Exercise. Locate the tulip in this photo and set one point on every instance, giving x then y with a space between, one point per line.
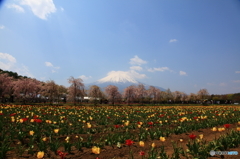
201 136
142 153
214 129
181 140
192 136
31 133
141 143
129 142
89 125
162 139
238 128
56 130
226 125
40 154
153 145
44 139
96 150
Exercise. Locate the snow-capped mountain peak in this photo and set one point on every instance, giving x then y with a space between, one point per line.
118 76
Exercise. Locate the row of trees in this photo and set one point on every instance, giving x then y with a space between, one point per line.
28 90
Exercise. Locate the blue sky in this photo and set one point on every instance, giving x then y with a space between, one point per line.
183 45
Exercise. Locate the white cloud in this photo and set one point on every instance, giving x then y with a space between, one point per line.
182 73
40 8
173 40
210 84
83 77
2 26
49 64
159 69
138 68
137 61
236 81
8 57
237 71
16 7
62 9
8 62
222 84
135 74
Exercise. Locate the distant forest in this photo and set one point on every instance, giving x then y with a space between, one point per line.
17 88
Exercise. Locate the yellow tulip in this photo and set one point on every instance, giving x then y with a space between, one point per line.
214 129
44 139
153 145
162 139
238 128
96 150
89 125
40 154
201 136
181 140
141 143
21 121
56 130
220 129
31 133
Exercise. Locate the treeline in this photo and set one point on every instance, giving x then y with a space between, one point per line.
21 89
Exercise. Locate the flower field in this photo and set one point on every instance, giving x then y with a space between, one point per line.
127 132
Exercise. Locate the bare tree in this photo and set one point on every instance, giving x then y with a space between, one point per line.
129 94
61 92
112 93
76 90
95 93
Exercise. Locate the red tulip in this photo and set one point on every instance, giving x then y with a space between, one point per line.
37 120
24 119
150 123
117 126
129 142
226 125
13 114
142 153
192 136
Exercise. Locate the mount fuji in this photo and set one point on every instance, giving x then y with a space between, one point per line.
120 79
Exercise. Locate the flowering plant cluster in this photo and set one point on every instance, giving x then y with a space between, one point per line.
48 128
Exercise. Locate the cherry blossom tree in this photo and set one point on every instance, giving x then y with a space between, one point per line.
49 91
95 93
24 89
76 89
129 94
141 92
112 93
152 93
202 94
5 82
